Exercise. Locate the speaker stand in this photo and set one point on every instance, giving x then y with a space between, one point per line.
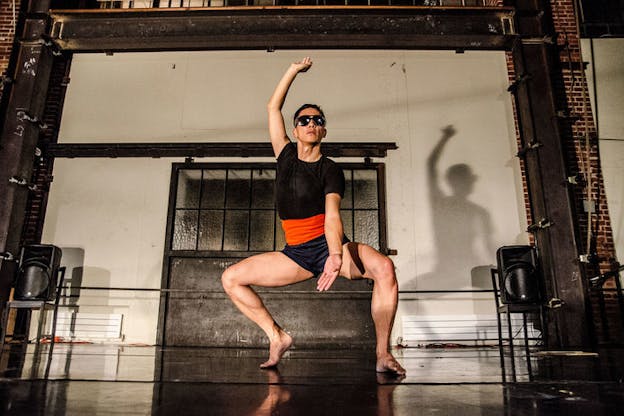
42 306
510 309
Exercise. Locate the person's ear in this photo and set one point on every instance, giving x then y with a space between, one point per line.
295 135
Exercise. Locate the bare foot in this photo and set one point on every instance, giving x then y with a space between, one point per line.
279 345
388 364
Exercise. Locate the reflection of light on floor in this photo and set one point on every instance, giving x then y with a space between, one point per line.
566 353
101 379
128 363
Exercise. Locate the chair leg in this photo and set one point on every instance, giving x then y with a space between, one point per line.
500 346
40 325
526 346
511 347
51 348
57 300
53 329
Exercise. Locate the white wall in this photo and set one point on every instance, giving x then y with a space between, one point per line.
605 73
114 209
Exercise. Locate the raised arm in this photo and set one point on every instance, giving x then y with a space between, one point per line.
277 129
432 163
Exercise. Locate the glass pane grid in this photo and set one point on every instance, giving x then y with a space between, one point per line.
233 209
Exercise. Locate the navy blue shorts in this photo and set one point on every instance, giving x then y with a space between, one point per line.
312 254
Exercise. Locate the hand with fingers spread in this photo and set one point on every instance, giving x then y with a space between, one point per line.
330 272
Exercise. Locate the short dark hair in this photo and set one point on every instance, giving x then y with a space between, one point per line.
303 107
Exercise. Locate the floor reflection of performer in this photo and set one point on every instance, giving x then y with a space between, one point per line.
309 188
276 396
385 393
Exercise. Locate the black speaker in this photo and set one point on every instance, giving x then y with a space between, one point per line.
37 273
518 274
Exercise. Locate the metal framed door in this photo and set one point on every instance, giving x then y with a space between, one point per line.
222 213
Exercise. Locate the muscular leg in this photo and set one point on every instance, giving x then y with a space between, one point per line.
360 260
270 270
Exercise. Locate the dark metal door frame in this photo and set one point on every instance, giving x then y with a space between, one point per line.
170 253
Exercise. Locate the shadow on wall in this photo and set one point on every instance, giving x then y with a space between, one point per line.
78 327
73 260
462 229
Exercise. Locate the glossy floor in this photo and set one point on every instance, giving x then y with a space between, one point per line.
127 380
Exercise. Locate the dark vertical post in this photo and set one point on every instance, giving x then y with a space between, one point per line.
555 227
20 131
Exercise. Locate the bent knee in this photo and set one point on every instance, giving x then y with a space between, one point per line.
385 272
229 279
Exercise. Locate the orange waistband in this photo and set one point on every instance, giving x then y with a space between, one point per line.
299 231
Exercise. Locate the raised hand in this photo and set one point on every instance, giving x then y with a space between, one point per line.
303 65
448 131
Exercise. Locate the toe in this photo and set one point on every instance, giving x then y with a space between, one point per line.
392 366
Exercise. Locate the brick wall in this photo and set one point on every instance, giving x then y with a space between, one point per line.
579 135
525 190
581 148
7 35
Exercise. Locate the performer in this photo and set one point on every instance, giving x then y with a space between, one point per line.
309 188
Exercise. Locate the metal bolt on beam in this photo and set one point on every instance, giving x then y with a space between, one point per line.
540 225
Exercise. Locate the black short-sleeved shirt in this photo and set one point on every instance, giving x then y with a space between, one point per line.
301 186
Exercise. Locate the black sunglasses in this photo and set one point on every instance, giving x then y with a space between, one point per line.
305 120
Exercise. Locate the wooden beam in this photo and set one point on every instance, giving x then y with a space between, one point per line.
248 149
270 28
